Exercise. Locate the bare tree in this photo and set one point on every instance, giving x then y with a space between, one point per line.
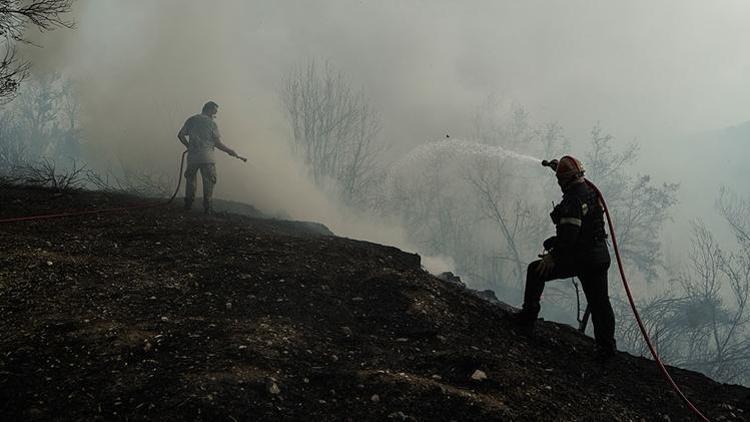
42 121
639 208
723 320
736 212
714 328
334 128
482 211
46 173
12 72
512 214
13 148
664 318
512 205
702 321
431 204
15 17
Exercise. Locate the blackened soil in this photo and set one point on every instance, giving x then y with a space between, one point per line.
158 314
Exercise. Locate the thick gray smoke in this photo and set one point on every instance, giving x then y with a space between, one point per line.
141 67
641 69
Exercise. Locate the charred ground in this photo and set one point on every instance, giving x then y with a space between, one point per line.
158 314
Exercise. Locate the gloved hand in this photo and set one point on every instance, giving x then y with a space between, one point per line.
546 265
549 243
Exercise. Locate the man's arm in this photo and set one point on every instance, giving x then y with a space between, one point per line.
182 135
218 144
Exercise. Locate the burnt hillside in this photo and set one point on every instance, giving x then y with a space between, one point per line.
158 314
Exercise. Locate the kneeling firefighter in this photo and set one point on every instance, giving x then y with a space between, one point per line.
579 249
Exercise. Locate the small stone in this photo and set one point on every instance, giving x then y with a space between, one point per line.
398 415
375 398
49 263
273 388
437 377
478 375
346 331
229 305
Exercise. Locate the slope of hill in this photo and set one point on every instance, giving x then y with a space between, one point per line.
161 315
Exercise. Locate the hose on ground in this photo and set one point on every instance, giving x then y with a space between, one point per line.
642 327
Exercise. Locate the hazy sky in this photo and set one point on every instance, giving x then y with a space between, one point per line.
639 67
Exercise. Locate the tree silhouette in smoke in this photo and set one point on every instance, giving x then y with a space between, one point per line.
15 17
335 128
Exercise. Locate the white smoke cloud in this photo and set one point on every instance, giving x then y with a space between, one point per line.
641 68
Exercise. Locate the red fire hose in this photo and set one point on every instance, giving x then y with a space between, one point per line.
635 311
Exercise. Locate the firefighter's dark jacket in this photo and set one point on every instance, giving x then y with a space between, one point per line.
579 222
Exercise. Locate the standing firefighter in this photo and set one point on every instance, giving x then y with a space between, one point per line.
579 249
200 135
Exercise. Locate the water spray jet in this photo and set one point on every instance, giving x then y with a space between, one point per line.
457 147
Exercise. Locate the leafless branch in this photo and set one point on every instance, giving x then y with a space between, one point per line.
45 173
44 14
334 128
15 17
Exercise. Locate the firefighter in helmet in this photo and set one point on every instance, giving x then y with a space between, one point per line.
578 249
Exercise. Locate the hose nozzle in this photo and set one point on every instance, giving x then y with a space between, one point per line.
551 164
